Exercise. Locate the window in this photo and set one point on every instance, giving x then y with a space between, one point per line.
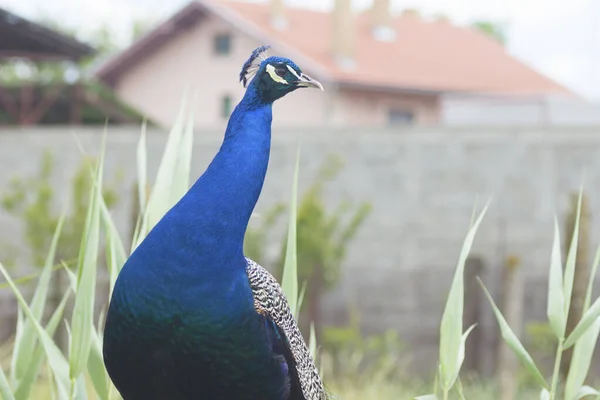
400 117
222 44
226 106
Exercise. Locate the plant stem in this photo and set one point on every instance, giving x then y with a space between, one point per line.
555 374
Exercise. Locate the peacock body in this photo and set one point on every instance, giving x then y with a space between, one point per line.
191 318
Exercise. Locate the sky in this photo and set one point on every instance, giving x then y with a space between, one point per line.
559 38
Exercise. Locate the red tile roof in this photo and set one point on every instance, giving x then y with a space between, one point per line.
431 56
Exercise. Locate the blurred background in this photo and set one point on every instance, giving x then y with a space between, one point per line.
430 108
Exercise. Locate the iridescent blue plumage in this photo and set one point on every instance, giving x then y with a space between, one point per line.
190 317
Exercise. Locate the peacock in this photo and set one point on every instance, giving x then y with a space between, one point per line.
190 317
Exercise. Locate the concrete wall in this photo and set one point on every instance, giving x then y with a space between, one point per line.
525 111
422 184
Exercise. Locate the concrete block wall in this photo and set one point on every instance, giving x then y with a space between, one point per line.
422 183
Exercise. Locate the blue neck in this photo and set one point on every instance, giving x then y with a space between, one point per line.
221 201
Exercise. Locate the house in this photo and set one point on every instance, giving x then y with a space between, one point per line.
57 93
377 69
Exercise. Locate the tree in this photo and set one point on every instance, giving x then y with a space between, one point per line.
256 237
322 239
102 39
32 200
491 29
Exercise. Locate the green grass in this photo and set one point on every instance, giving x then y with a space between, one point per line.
35 368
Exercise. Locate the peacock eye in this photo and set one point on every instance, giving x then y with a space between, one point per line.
281 71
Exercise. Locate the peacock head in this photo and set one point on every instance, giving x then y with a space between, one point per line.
274 77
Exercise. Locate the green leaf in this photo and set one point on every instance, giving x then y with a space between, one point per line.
5 392
556 300
463 345
590 288
586 391
581 361
589 318
25 342
82 322
513 342
585 345
451 334
289 280
56 360
571 259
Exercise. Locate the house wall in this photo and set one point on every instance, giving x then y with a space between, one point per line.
370 108
422 185
156 85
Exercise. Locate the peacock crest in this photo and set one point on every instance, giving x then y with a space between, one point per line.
252 65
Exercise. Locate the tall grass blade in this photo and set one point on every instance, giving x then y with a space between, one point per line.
300 300
82 322
181 175
26 384
513 342
15 356
52 385
115 251
142 183
584 347
80 390
56 360
289 280
161 198
312 341
451 333
142 167
25 343
72 279
5 391
96 370
571 258
459 386
556 300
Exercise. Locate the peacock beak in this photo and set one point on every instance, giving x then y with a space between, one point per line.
307 81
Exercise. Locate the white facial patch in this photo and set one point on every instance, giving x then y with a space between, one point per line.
274 76
293 71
